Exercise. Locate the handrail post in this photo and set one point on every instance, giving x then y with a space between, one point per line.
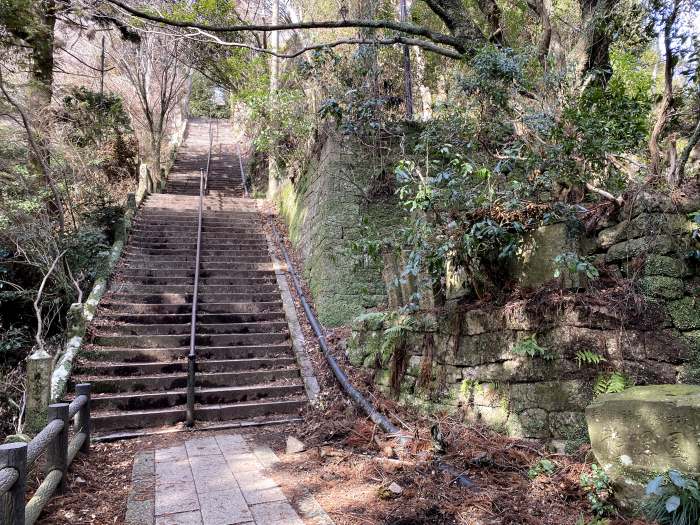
57 449
190 388
82 422
14 455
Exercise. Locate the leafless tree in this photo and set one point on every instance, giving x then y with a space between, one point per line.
156 82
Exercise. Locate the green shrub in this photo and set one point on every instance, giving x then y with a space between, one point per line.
672 499
598 491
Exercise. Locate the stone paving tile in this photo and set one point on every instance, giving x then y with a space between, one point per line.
140 505
311 511
144 466
276 513
211 474
243 462
171 454
254 497
219 481
176 497
265 455
183 518
232 444
173 472
202 447
226 507
254 480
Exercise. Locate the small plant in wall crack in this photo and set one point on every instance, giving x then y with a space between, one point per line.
587 357
673 499
528 347
572 265
611 383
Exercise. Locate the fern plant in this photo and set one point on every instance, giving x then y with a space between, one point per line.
612 383
673 499
587 357
528 347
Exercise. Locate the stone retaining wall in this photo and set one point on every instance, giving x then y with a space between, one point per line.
648 329
324 210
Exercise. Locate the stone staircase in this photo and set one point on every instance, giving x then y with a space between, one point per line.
137 359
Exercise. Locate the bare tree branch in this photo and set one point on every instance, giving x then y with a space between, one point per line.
36 150
345 41
402 27
37 306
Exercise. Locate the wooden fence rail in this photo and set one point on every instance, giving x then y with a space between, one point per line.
16 459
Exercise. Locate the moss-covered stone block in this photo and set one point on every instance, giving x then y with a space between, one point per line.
646 430
492 416
664 265
553 396
661 287
534 423
685 313
383 377
659 244
567 423
534 264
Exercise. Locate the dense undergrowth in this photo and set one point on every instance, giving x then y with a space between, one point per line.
93 159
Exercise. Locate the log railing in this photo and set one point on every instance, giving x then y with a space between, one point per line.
17 459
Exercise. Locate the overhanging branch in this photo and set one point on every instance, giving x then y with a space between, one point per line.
402 27
345 41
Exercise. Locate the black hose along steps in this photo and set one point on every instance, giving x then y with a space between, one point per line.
137 359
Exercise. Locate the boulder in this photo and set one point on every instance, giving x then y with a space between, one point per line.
643 431
294 446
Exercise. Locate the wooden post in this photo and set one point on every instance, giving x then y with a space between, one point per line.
39 369
12 511
57 449
82 422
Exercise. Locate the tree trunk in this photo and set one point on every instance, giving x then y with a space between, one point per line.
667 99
156 149
592 50
272 168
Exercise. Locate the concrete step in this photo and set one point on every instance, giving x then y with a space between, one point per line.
204 396
181 298
210 308
138 260
105 370
145 355
203 380
220 412
150 319
112 329
127 287
130 273
168 341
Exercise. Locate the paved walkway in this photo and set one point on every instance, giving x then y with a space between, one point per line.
217 480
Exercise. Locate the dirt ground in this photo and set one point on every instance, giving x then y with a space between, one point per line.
349 465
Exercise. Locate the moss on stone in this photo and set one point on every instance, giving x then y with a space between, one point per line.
664 265
685 313
660 244
661 287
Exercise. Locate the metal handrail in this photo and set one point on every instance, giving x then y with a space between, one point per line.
211 142
240 163
192 355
